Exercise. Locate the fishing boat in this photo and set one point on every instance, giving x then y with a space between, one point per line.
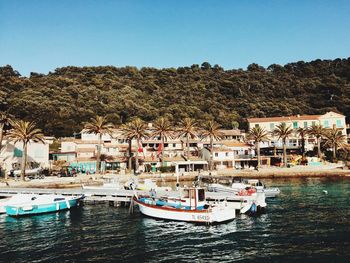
190 206
38 204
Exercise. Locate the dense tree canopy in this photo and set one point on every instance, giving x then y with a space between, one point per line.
62 100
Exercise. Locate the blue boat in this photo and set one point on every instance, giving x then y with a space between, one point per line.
39 204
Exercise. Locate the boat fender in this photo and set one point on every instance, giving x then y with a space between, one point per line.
57 206
68 205
253 208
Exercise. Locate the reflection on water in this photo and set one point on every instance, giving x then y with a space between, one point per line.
303 223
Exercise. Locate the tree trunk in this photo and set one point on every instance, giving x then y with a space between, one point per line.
1 138
188 146
334 153
130 157
319 148
258 153
162 155
137 156
211 154
302 146
284 153
98 157
24 161
1 135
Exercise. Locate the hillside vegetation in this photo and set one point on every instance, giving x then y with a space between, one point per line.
62 100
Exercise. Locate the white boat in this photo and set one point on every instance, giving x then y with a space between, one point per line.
190 207
236 187
147 185
269 191
243 199
3 203
32 204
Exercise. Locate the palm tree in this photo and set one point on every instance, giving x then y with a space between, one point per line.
302 132
318 131
136 129
211 130
24 132
258 135
163 129
99 126
282 131
188 128
335 139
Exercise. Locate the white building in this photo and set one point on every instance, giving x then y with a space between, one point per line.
37 154
328 120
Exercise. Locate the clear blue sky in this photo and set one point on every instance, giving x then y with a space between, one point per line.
42 35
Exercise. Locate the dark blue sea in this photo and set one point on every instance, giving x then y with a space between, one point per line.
302 225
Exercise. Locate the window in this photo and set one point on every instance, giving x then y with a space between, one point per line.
272 126
216 154
256 125
313 123
174 145
305 124
226 154
339 124
326 124
295 125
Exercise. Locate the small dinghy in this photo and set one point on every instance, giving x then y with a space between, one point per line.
189 207
38 204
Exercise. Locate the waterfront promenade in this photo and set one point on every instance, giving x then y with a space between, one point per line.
164 178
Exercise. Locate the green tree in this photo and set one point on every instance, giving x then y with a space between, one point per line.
99 126
24 132
335 139
188 128
258 135
318 132
135 129
211 130
283 132
162 128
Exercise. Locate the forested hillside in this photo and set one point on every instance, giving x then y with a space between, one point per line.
61 100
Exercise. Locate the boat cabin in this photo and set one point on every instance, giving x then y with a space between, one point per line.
193 197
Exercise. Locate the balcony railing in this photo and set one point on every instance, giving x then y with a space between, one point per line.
244 156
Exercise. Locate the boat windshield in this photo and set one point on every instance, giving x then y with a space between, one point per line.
58 199
201 195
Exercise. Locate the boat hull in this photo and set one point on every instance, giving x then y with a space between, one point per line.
34 209
214 215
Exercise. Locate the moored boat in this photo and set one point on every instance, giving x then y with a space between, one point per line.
244 200
190 207
38 204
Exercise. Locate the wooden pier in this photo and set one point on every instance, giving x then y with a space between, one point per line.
91 195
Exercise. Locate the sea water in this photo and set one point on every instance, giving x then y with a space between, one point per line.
302 224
